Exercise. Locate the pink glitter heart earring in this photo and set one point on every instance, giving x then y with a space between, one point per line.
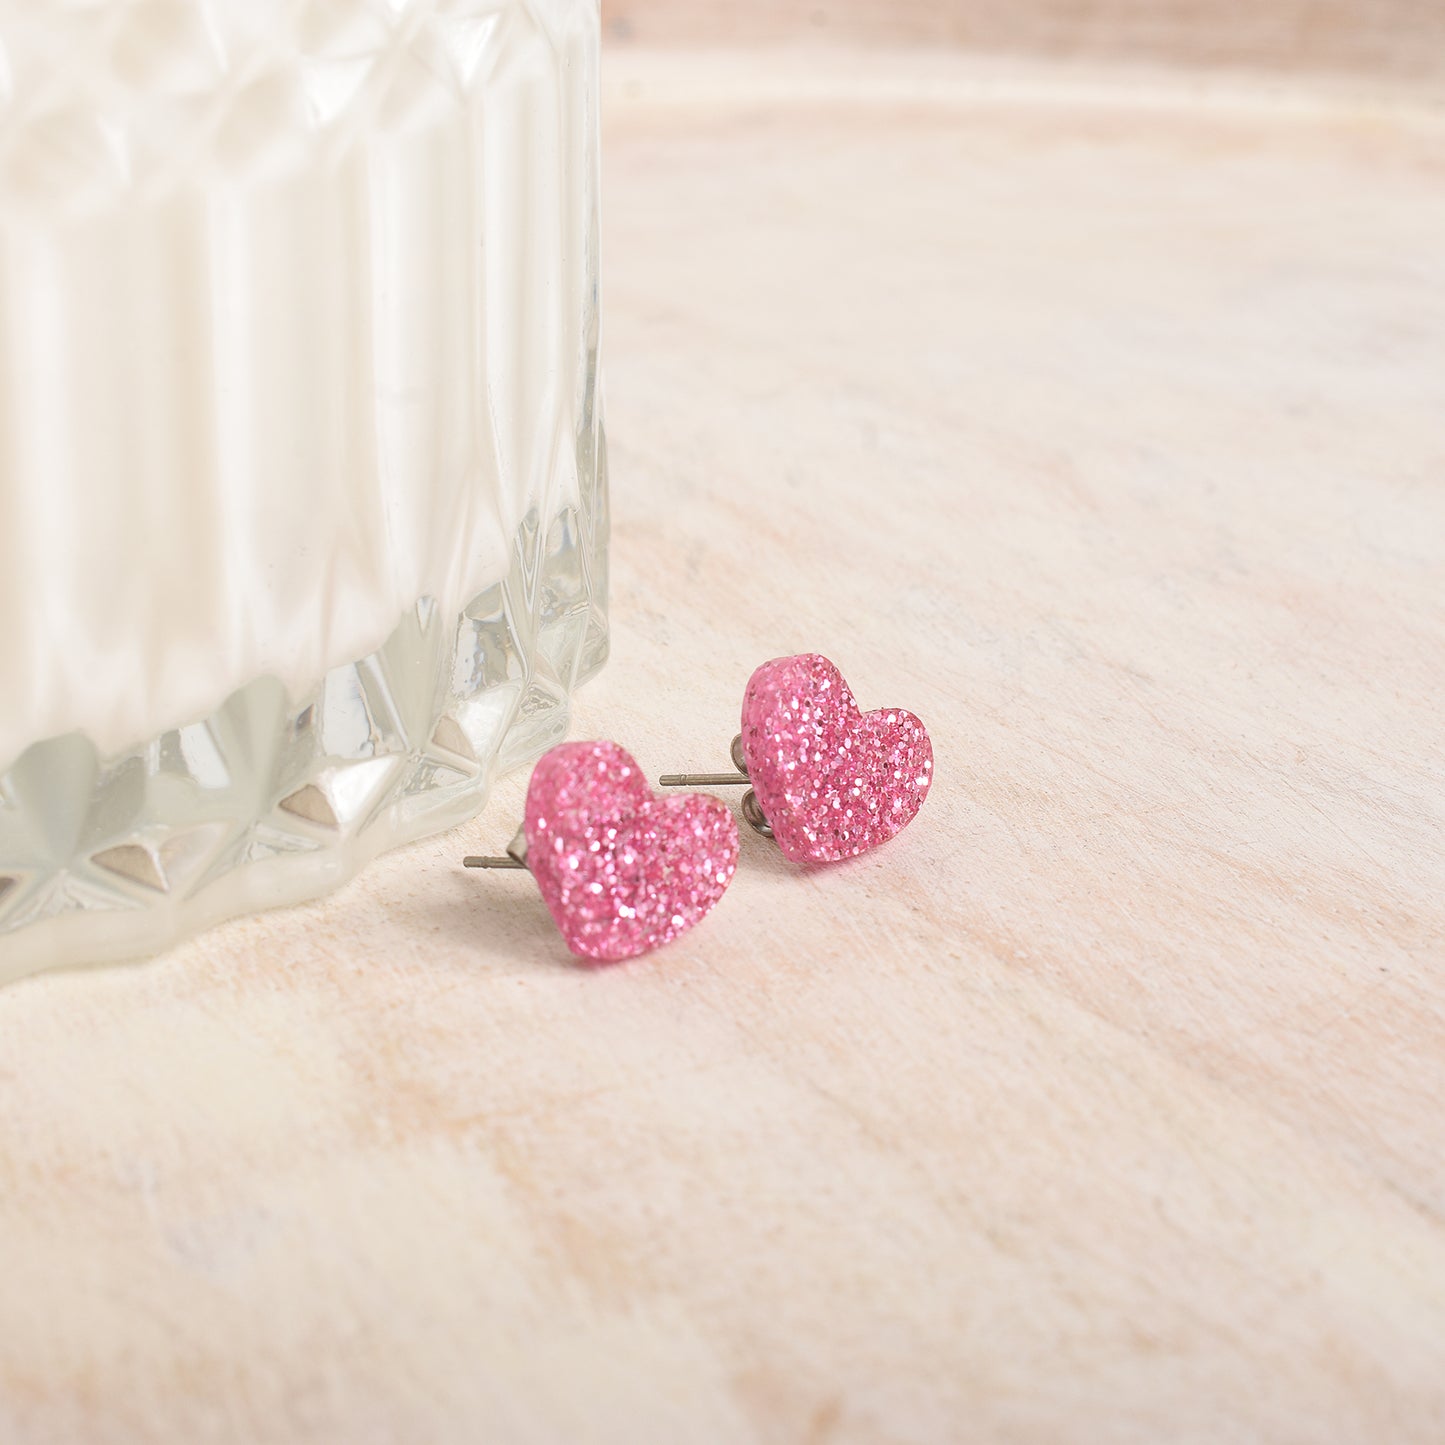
825 779
621 871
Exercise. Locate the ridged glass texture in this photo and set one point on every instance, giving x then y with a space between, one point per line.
302 480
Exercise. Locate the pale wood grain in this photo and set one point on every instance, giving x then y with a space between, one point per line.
1102 1106
1402 39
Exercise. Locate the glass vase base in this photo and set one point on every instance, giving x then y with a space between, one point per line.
273 800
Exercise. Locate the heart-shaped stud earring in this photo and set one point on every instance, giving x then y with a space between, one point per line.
827 780
621 871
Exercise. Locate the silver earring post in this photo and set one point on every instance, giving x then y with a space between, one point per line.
711 780
752 809
514 857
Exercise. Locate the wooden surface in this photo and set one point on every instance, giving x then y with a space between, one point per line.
1103 429
1402 40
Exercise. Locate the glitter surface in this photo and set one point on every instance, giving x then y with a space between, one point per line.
831 780
622 871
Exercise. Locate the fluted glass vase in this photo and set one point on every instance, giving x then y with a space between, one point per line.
302 479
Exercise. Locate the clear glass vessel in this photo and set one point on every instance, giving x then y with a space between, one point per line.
302 479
